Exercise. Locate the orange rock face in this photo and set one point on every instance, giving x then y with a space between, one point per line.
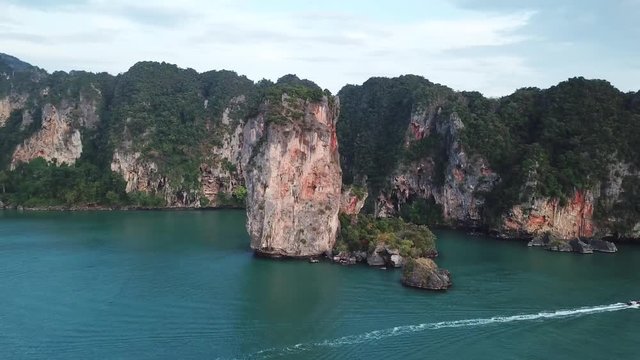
417 131
351 203
293 179
575 219
56 140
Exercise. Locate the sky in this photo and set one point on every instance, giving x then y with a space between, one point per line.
492 46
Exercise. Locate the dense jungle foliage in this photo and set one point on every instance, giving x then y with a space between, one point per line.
563 138
173 117
364 233
555 141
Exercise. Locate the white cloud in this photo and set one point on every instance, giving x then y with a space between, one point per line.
330 48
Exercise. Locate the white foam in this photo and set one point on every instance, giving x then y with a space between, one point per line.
408 329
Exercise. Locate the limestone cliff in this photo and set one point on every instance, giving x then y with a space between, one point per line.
220 173
457 183
460 192
547 215
293 177
576 217
352 200
454 180
138 174
9 104
223 173
58 139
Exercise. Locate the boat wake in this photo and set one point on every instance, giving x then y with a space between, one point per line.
408 329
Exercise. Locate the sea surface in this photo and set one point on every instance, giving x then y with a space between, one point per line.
184 285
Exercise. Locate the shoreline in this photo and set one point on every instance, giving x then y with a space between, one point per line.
471 231
124 208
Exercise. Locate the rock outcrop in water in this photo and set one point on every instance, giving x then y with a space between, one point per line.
577 245
293 178
423 273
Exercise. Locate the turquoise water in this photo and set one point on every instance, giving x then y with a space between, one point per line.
148 285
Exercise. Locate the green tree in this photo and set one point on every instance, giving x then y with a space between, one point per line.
240 193
3 180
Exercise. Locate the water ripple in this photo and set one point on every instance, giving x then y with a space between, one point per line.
409 329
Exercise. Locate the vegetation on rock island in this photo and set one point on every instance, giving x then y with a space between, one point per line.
365 233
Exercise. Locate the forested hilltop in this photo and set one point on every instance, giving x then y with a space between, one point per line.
154 136
562 160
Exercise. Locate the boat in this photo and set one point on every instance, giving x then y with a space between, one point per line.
314 261
634 303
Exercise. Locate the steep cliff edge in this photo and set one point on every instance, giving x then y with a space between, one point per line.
9 104
547 215
57 140
177 134
453 180
293 177
562 160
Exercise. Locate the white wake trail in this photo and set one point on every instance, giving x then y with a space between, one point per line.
408 329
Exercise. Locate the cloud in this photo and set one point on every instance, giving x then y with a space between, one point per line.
10 36
495 47
46 4
146 15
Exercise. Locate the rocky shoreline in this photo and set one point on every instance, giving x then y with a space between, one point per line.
580 246
116 208
422 272
584 245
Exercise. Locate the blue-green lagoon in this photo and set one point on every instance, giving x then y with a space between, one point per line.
185 285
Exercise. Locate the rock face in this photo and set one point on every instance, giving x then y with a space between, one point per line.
466 178
455 151
5 110
603 246
576 218
460 191
221 174
143 176
293 178
226 174
139 175
376 258
560 246
572 220
396 260
382 255
352 200
580 246
57 140
586 246
423 273
9 104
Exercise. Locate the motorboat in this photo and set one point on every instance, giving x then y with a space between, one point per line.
634 303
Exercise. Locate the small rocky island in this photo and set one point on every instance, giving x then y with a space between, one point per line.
297 208
553 242
391 243
423 273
